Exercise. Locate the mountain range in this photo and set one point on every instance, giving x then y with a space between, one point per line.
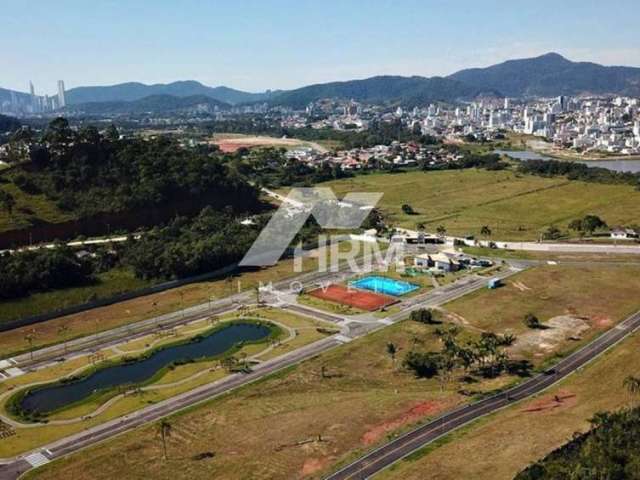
547 75
161 103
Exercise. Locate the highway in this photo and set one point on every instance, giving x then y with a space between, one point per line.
393 451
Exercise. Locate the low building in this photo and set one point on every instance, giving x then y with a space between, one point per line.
445 263
423 261
621 233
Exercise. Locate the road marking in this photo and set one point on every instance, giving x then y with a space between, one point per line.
37 459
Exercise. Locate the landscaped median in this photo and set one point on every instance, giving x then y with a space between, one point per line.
282 332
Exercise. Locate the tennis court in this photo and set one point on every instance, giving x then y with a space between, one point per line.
355 298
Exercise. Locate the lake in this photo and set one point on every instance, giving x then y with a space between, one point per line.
47 399
632 166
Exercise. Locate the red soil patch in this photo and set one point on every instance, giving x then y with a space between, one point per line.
412 415
313 465
356 298
560 400
600 321
230 147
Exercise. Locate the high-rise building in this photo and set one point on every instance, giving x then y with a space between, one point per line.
33 100
61 101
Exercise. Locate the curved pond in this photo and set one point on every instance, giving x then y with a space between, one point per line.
47 399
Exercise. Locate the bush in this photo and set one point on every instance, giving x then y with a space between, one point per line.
423 315
423 365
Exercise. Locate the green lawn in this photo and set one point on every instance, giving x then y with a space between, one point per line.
514 206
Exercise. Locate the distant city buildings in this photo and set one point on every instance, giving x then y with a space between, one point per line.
22 104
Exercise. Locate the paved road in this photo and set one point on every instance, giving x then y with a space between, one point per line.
13 468
98 341
620 247
395 450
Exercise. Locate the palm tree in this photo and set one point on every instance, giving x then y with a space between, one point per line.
164 430
30 337
632 384
441 230
391 351
62 332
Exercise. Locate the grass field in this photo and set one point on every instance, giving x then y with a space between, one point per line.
122 313
514 206
297 331
291 425
553 256
107 284
29 209
499 446
598 295
300 423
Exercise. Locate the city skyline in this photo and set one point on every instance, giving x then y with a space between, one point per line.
239 45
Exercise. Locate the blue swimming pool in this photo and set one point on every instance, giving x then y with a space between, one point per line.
387 286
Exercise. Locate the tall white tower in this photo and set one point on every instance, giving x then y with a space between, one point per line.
61 101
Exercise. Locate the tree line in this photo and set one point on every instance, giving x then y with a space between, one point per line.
88 172
578 171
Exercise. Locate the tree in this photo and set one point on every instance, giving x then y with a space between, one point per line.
62 332
423 365
632 384
587 225
441 231
422 315
591 223
408 209
7 201
485 230
551 233
30 338
164 430
391 351
531 321
112 133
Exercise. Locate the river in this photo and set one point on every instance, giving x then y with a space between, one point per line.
632 166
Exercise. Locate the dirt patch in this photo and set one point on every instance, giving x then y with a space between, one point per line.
412 415
521 286
313 465
563 399
230 147
602 321
557 330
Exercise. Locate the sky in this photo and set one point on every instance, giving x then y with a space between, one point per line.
282 44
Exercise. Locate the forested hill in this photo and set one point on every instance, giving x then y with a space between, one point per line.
153 103
552 74
86 173
394 89
608 451
132 91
